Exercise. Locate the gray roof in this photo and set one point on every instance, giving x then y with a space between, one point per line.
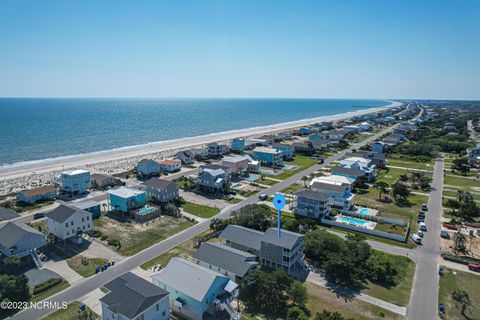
158 183
241 235
349 171
6 214
287 238
281 145
146 161
11 233
63 212
187 277
86 204
328 186
225 257
131 295
310 194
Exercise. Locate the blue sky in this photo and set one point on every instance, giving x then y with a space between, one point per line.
325 49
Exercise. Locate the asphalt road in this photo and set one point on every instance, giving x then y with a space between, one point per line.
89 284
424 297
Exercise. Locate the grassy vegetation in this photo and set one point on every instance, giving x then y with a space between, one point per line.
185 184
267 182
451 193
50 292
69 313
468 282
200 210
399 294
234 200
292 188
85 270
303 162
461 182
134 237
411 164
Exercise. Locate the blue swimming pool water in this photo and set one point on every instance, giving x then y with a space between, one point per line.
146 211
353 220
363 211
289 167
252 177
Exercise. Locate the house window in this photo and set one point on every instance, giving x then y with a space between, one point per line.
83 219
164 314
66 224
71 223
158 307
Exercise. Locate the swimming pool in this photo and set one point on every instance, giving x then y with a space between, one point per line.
236 186
145 211
251 177
289 167
363 211
353 220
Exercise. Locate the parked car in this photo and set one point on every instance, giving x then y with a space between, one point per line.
424 207
415 237
421 218
474 267
420 233
263 197
39 215
422 226
444 234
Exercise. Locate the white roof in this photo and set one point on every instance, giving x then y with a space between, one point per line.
124 192
234 159
333 179
358 159
267 150
75 172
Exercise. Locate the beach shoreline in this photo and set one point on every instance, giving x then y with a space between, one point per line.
31 174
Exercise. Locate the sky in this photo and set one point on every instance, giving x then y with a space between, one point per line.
240 48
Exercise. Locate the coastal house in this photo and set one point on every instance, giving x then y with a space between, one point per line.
335 180
304 147
343 198
102 181
160 190
91 206
199 153
268 156
375 157
312 204
7 214
20 240
170 165
196 292
286 149
148 168
305 131
68 223
284 253
125 199
253 165
352 128
365 126
319 145
473 155
130 297
216 150
378 147
347 172
225 260
238 165
213 180
321 136
394 139
324 125
237 145
186 157
359 163
76 181
38 194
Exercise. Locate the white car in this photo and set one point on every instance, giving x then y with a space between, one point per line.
415 237
422 226
420 233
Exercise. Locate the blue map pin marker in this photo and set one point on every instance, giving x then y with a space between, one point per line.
279 203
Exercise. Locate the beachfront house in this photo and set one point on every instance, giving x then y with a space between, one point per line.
375 157
196 292
343 198
38 194
76 181
20 240
305 131
473 155
131 297
312 204
319 145
225 260
365 126
304 147
321 136
268 156
102 181
286 149
92 206
170 165
238 165
186 157
213 180
160 190
125 199
365 165
237 145
148 168
68 222
284 253
378 147
352 128
216 150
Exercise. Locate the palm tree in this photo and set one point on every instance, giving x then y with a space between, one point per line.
305 179
462 300
382 188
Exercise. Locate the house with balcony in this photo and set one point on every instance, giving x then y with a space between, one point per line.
148 168
196 292
237 165
213 180
394 139
131 297
102 181
170 165
343 198
268 156
335 180
312 204
20 240
186 157
347 172
378 147
89 205
359 163
75 181
67 222
237 145
216 150
124 199
473 155
303 147
287 150
160 190
376 158
38 194
305 131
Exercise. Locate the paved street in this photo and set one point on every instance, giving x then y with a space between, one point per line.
424 297
87 285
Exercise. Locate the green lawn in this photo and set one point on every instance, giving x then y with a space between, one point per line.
411 164
50 292
234 200
292 188
399 294
391 175
461 182
449 193
303 162
267 182
69 313
85 270
452 280
200 210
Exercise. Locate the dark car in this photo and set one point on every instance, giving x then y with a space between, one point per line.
39 215
263 197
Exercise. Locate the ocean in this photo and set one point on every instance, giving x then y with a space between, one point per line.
36 129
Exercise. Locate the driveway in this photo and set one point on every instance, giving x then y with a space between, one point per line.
61 267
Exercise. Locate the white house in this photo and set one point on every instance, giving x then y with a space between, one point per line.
148 167
133 298
335 180
171 165
69 222
76 181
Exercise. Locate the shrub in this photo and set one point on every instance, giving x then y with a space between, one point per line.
44 286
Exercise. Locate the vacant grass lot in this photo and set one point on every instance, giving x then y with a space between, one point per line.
303 162
411 164
135 237
267 182
85 270
460 182
50 292
451 193
200 210
461 280
70 313
292 188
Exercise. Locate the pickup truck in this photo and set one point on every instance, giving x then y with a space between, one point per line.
474 267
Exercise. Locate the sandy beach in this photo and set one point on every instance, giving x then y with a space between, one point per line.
36 173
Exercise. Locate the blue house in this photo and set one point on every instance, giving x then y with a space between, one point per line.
237 145
196 292
378 146
125 199
268 156
148 168
305 130
286 149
